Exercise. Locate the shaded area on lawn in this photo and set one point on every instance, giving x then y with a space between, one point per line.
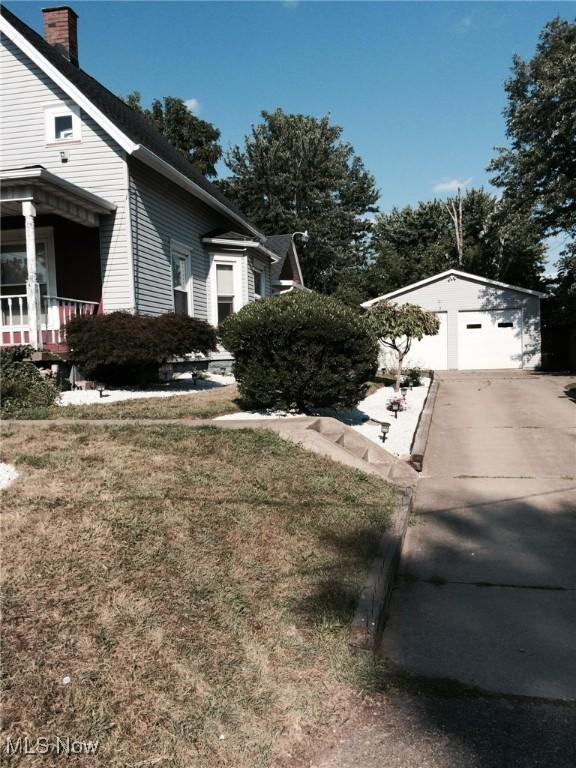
188 581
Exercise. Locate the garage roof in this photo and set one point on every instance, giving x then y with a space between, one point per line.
456 273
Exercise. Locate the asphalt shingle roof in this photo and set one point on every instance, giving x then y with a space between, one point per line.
130 122
281 245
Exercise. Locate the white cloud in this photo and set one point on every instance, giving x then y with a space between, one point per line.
451 185
193 105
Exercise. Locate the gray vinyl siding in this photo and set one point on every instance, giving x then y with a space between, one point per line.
96 164
161 212
453 294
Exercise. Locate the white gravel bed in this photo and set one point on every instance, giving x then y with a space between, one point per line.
7 475
181 386
374 406
217 378
402 429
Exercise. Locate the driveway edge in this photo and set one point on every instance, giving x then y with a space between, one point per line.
372 608
423 428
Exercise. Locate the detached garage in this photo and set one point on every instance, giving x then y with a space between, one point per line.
483 323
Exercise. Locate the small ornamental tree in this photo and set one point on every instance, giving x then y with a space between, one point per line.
122 348
301 350
397 325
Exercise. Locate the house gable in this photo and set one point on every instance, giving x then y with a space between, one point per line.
95 163
451 275
128 128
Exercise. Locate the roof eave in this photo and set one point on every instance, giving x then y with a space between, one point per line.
36 175
297 259
136 150
241 245
447 273
69 88
153 161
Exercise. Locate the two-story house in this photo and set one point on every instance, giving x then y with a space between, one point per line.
100 212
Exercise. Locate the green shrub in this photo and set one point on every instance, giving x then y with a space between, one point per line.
301 350
22 387
122 348
181 334
414 374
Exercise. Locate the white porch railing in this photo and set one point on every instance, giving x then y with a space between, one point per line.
56 311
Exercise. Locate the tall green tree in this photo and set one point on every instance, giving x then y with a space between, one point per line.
415 242
196 139
296 173
538 170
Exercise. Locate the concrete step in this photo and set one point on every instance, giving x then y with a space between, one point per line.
359 447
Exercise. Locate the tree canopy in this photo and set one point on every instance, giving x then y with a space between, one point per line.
415 242
196 139
396 326
538 169
296 173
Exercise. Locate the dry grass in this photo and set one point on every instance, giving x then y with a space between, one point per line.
200 405
195 584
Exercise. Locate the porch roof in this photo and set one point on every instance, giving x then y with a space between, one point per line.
50 194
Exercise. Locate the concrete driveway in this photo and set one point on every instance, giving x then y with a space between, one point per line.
488 589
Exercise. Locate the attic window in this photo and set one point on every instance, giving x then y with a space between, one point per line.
63 127
474 326
62 123
505 325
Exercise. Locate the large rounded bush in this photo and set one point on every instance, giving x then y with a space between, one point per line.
122 348
301 350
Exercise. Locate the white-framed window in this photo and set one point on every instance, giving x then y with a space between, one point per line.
63 123
258 283
225 287
224 291
180 255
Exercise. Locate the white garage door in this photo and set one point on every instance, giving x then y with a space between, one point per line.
490 339
431 351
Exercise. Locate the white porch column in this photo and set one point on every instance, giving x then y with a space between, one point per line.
32 287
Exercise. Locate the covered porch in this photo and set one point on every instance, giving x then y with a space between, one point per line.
50 256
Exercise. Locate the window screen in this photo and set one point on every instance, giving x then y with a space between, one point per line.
225 290
180 278
225 279
258 283
63 127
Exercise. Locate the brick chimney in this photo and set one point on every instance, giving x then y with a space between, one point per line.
60 30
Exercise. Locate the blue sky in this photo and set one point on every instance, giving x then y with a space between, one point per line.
417 87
